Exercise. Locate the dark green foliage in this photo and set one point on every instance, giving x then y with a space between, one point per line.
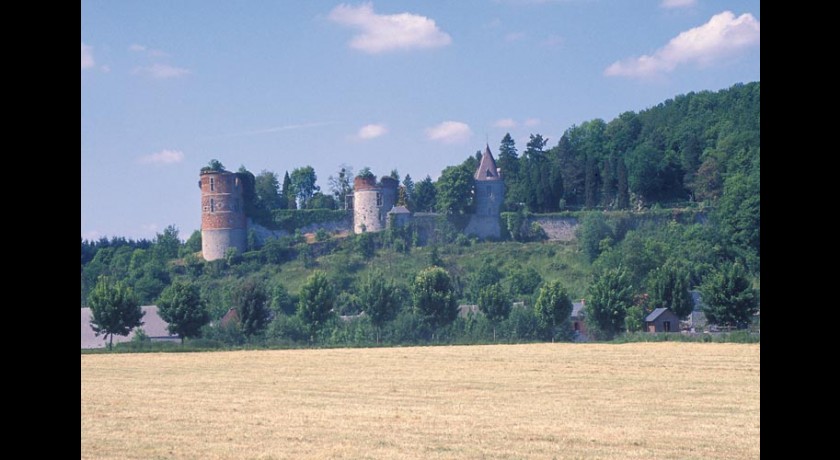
317 299
193 243
303 184
267 188
379 299
291 220
434 296
366 173
408 191
610 296
252 304
455 188
181 306
321 201
553 308
281 301
365 244
114 309
214 165
249 195
523 282
487 275
425 196
728 297
592 232
494 302
322 235
287 193
668 287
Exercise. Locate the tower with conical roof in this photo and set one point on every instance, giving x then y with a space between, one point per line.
489 196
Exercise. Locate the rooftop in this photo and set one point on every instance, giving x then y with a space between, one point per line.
487 169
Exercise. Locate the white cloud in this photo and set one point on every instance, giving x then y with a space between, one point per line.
723 36
670 4
162 71
87 57
164 157
147 51
450 132
388 32
514 36
372 131
532 122
505 123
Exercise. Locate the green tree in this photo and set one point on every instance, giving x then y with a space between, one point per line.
454 190
303 183
317 299
267 187
379 300
251 303
592 231
486 275
728 296
553 307
281 300
114 309
668 287
341 185
494 302
287 193
610 295
524 282
193 243
181 306
623 187
167 243
434 296
425 196
214 165
408 186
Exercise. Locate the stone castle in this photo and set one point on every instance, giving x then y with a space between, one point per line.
224 224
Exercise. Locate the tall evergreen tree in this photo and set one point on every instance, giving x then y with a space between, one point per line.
288 192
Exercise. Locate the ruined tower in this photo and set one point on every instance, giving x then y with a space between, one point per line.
489 197
371 203
223 222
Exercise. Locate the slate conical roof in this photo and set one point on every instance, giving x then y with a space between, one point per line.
487 168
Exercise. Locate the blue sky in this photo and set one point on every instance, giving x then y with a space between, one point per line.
417 86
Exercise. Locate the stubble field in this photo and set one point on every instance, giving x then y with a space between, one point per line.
641 400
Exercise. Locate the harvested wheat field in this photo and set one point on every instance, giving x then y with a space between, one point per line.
649 400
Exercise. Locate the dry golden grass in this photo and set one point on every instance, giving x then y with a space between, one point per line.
643 400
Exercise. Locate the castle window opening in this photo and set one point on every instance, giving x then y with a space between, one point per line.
212 202
379 199
212 184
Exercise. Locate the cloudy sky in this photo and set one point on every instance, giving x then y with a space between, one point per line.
167 86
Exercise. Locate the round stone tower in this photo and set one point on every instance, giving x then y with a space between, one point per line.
223 222
371 203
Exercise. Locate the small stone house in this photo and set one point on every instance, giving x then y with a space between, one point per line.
577 320
662 320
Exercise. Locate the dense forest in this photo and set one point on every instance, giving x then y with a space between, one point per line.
699 151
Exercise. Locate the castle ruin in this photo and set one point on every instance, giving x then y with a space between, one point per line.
223 221
224 224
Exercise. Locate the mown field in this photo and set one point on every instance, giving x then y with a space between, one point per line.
640 400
